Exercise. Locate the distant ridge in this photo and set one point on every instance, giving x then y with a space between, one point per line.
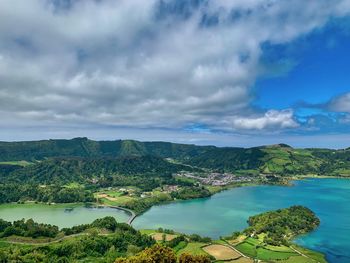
272 159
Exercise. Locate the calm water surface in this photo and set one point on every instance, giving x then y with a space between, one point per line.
59 215
228 211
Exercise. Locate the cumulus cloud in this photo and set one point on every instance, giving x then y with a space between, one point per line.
271 119
154 63
340 103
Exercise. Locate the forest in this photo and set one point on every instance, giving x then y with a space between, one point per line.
153 157
122 244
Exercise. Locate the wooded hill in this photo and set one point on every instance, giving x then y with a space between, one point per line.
134 157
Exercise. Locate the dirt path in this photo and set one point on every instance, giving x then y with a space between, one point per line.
232 247
302 254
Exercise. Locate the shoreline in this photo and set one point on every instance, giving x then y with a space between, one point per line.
134 215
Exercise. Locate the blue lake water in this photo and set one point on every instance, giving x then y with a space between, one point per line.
228 211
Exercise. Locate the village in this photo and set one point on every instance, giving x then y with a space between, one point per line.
216 179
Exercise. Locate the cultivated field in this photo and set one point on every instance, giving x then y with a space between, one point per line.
221 252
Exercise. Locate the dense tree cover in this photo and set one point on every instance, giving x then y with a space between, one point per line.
27 228
7 169
283 224
144 182
157 253
188 192
163 254
191 192
15 192
198 238
174 242
83 147
96 165
187 258
141 205
122 242
45 181
65 170
278 159
229 159
108 223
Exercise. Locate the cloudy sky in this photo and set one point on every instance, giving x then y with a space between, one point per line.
223 72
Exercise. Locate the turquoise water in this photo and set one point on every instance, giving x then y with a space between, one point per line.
59 215
228 211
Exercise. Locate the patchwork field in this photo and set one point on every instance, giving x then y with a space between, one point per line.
255 249
252 247
113 198
221 252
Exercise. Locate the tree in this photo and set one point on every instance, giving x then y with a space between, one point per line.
155 254
187 258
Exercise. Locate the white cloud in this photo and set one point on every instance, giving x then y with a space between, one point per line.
271 119
115 63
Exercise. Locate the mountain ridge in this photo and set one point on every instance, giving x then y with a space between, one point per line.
279 159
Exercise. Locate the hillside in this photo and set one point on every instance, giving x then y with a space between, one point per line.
83 147
80 169
278 159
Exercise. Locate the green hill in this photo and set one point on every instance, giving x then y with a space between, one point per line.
280 159
83 147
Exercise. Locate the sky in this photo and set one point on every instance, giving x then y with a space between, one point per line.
219 72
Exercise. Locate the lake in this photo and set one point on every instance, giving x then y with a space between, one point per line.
228 211
61 215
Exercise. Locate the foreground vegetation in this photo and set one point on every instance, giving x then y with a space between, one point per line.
105 240
102 241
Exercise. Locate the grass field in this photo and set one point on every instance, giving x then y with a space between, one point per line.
297 259
148 231
252 248
319 257
221 252
265 254
247 249
242 260
194 248
253 241
114 194
109 200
